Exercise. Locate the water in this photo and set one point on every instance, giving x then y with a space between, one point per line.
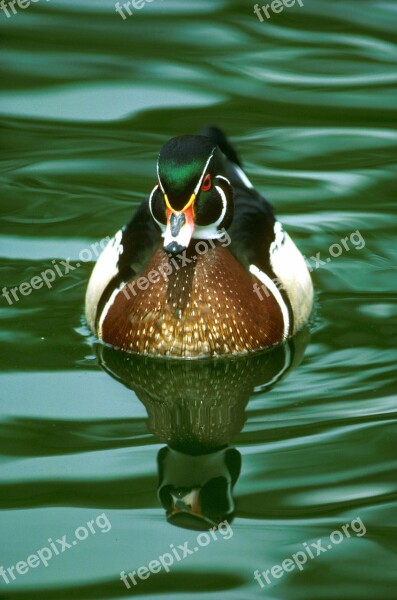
309 99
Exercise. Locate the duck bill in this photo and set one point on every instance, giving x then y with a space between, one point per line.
179 230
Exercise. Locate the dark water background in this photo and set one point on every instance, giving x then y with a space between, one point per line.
309 98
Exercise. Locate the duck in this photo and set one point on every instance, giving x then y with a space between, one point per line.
204 268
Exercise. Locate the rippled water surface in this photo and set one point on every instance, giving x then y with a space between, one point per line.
86 101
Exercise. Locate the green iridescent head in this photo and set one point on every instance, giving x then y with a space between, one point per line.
193 198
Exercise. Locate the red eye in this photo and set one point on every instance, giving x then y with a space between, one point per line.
206 183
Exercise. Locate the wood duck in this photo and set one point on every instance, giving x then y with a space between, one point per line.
203 268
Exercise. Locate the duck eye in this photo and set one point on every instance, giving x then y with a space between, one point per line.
206 185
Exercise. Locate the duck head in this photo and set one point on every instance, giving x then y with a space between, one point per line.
193 198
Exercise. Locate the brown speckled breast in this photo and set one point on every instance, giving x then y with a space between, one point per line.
205 308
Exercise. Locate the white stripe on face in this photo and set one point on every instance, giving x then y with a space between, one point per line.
161 225
210 232
198 186
158 177
200 181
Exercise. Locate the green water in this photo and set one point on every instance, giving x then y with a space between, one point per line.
87 99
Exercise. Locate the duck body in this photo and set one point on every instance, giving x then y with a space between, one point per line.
203 268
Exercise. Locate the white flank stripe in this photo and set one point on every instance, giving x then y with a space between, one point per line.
104 271
271 286
106 309
279 237
289 266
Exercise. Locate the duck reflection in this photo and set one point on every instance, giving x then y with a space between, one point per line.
197 408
